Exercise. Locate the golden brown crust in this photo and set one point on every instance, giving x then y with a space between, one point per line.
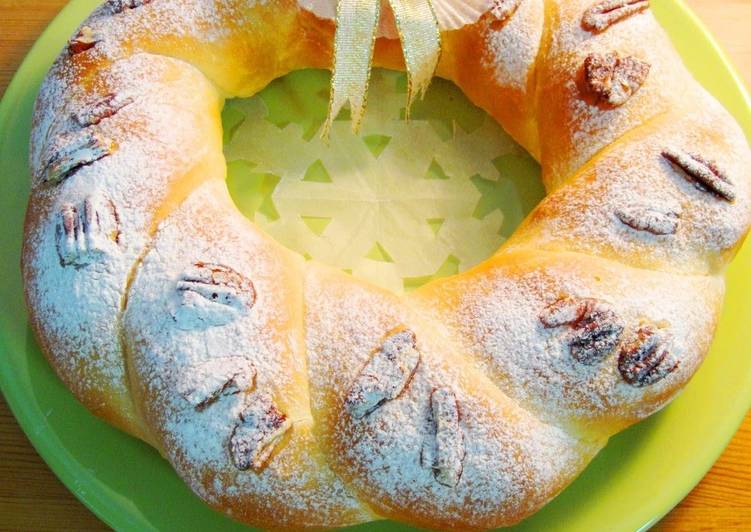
572 126
507 450
323 401
497 310
634 179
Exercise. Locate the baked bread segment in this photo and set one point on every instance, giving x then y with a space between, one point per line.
634 75
214 338
494 62
652 200
289 395
556 332
120 150
246 35
384 382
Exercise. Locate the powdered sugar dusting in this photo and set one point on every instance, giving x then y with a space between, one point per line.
164 353
198 32
512 49
573 127
496 310
636 173
77 306
508 468
530 415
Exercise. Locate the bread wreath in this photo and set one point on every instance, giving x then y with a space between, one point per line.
290 395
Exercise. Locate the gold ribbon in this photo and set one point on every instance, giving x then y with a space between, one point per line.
356 23
421 43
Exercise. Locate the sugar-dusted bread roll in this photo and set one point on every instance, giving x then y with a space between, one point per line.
290 395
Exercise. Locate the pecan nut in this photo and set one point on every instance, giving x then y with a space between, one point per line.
118 6
614 79
602 15
653 220
258 432
704 174
564 311
85 39
595 330
85 233
212 295
69 153
386 374
106 107
646 357
204 383
502 10
443 450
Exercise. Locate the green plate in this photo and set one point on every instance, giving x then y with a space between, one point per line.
638 478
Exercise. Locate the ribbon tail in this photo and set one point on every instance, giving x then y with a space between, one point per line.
421 43
356 23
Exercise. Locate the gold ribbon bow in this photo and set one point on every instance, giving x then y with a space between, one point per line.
356 23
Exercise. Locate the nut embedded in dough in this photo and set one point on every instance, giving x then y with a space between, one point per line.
660 222
84 40
69 153
601 16
258 432
564 311
614 79
86 232
646 357
204 383
118 6
385 376
705 174
503 10
443 449
595 328
106 107
211 295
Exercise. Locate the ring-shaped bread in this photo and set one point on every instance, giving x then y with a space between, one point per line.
290 395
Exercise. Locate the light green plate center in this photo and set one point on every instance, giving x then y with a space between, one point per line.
400 203
640 475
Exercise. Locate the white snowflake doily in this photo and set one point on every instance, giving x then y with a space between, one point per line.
398 204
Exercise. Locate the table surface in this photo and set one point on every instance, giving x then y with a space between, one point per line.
32 498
